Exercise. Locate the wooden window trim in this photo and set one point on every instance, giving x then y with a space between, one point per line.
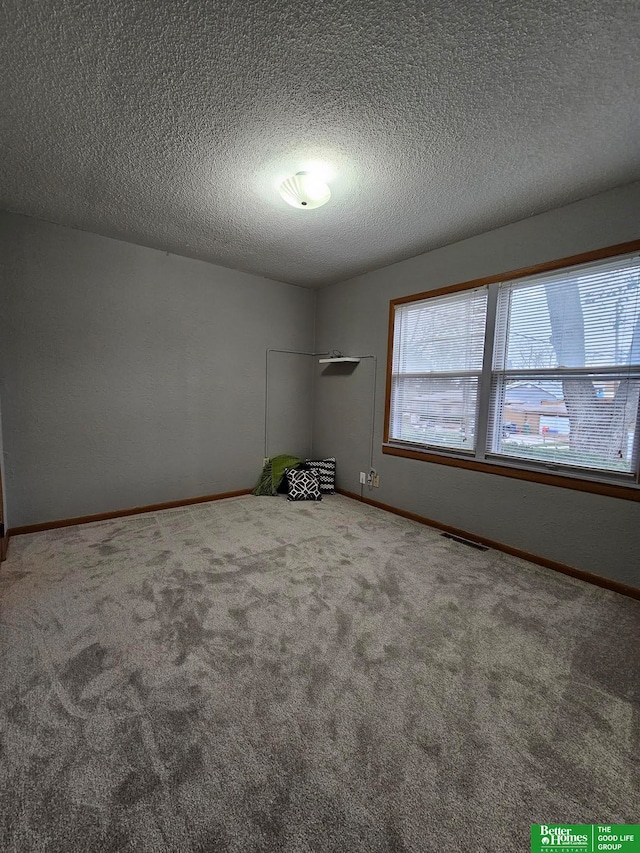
623 491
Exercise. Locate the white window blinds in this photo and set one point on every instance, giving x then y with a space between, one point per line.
541 372
436 369
566 367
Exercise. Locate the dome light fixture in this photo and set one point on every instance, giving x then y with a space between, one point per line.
305 191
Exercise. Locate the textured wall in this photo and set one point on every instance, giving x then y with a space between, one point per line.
598 534
129 376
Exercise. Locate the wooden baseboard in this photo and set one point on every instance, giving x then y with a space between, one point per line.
4 544
121 513
597 580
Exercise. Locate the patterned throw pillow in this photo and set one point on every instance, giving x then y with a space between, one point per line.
303 485
326 469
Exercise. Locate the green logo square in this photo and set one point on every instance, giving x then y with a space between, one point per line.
585 838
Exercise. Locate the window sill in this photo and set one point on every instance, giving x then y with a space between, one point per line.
626 491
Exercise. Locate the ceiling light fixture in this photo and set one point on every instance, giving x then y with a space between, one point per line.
305 190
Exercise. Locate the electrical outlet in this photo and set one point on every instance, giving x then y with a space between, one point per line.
265 460
376 481
371 477
363 478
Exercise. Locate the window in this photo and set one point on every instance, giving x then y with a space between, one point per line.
538 372
438 349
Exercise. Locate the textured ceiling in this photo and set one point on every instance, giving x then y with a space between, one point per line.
167 123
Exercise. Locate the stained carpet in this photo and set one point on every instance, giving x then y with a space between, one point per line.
257 675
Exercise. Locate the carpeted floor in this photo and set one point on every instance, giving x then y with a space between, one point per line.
257 675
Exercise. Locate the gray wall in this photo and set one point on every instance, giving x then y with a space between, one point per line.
2 466
130 376
594 533
290 407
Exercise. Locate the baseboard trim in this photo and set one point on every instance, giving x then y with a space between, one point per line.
121 513
4 545
588 577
